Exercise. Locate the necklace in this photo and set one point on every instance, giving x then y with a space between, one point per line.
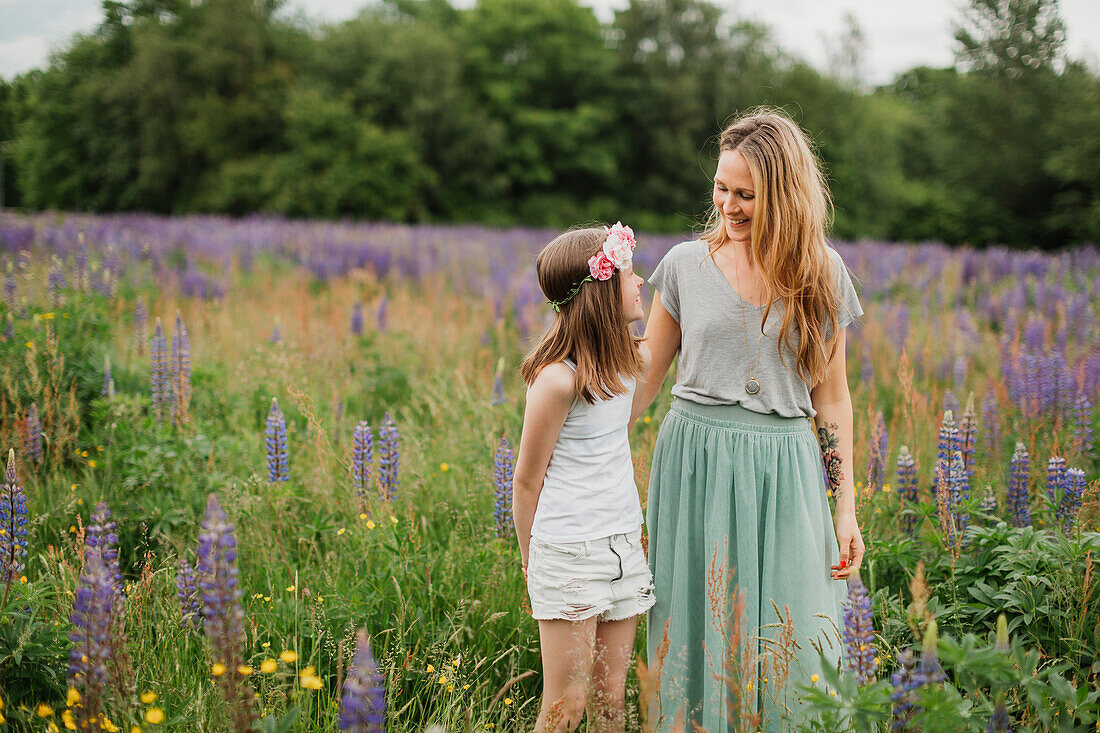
751 386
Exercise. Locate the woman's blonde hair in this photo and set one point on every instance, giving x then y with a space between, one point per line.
591 327
788 234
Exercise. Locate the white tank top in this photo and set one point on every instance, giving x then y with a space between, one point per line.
589 489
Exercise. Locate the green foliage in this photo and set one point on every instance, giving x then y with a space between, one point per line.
523 111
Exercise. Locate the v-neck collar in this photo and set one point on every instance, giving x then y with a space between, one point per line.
733 291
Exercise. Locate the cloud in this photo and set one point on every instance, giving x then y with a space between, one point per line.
22 54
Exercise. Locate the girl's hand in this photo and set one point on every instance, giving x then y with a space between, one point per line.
851 546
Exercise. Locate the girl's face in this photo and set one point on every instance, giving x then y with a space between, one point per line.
630 284
734 195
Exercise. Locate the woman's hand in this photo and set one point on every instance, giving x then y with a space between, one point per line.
851 544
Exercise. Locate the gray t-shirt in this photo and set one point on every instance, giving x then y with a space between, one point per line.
714 361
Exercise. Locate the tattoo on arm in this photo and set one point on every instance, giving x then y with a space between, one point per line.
828 438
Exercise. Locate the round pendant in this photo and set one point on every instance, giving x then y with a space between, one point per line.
752 386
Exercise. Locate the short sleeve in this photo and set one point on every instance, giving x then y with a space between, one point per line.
665 281
850 309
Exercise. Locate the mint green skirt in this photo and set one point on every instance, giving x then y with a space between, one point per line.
737 510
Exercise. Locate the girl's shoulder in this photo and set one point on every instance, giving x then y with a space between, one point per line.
556 379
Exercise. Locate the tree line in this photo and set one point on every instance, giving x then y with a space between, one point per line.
535 112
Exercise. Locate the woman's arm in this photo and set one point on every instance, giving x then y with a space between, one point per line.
548 403
662 336
833 404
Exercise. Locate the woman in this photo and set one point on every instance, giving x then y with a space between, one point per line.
738 515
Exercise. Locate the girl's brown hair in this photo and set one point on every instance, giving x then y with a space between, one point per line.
788 234
591 328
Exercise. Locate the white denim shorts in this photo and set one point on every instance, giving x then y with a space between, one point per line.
608 578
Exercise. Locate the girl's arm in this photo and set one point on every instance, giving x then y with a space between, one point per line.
833 404
548 402
662 336
647 359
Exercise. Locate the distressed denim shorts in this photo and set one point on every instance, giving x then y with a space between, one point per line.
608 578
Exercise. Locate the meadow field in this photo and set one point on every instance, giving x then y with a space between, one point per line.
301 430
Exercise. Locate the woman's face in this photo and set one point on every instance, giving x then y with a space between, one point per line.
734 195
630 285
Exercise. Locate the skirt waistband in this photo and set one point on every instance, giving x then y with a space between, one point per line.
736 417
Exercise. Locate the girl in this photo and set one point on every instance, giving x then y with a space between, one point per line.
577 515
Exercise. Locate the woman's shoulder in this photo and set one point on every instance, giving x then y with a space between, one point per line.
691 252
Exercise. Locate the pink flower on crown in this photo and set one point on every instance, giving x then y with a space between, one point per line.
600 266
619 245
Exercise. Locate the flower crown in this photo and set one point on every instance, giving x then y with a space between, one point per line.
617 252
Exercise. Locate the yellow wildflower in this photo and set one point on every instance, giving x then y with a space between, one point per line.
72 697
341 531
135 729
814 678
99 448
108 726
444 467
430 669
370 524
244 670
148 697
646 419
393 520
154 716
466 686
83 454
507 701
442 679
268 666
44 710
289 656
291 588
91 464
362 516
218 669
67 719
52 728
266 644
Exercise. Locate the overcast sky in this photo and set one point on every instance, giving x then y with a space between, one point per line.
899 34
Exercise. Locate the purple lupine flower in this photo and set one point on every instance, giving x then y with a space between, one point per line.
180 371
1070 504
859 633
958 483
1056 481
56 281
222 613
32 448
163 400
357 320
363 704
108 389
968 433
961 365
907 486
1000 722
276 335
498 391
992 422
866 366
383 313
187 591
1019 482
503 469
278 455
362 459
928 671
389 458
9 327
1082 424
948 444
102 539
903 697
876 461
141 320
95 637
13 524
